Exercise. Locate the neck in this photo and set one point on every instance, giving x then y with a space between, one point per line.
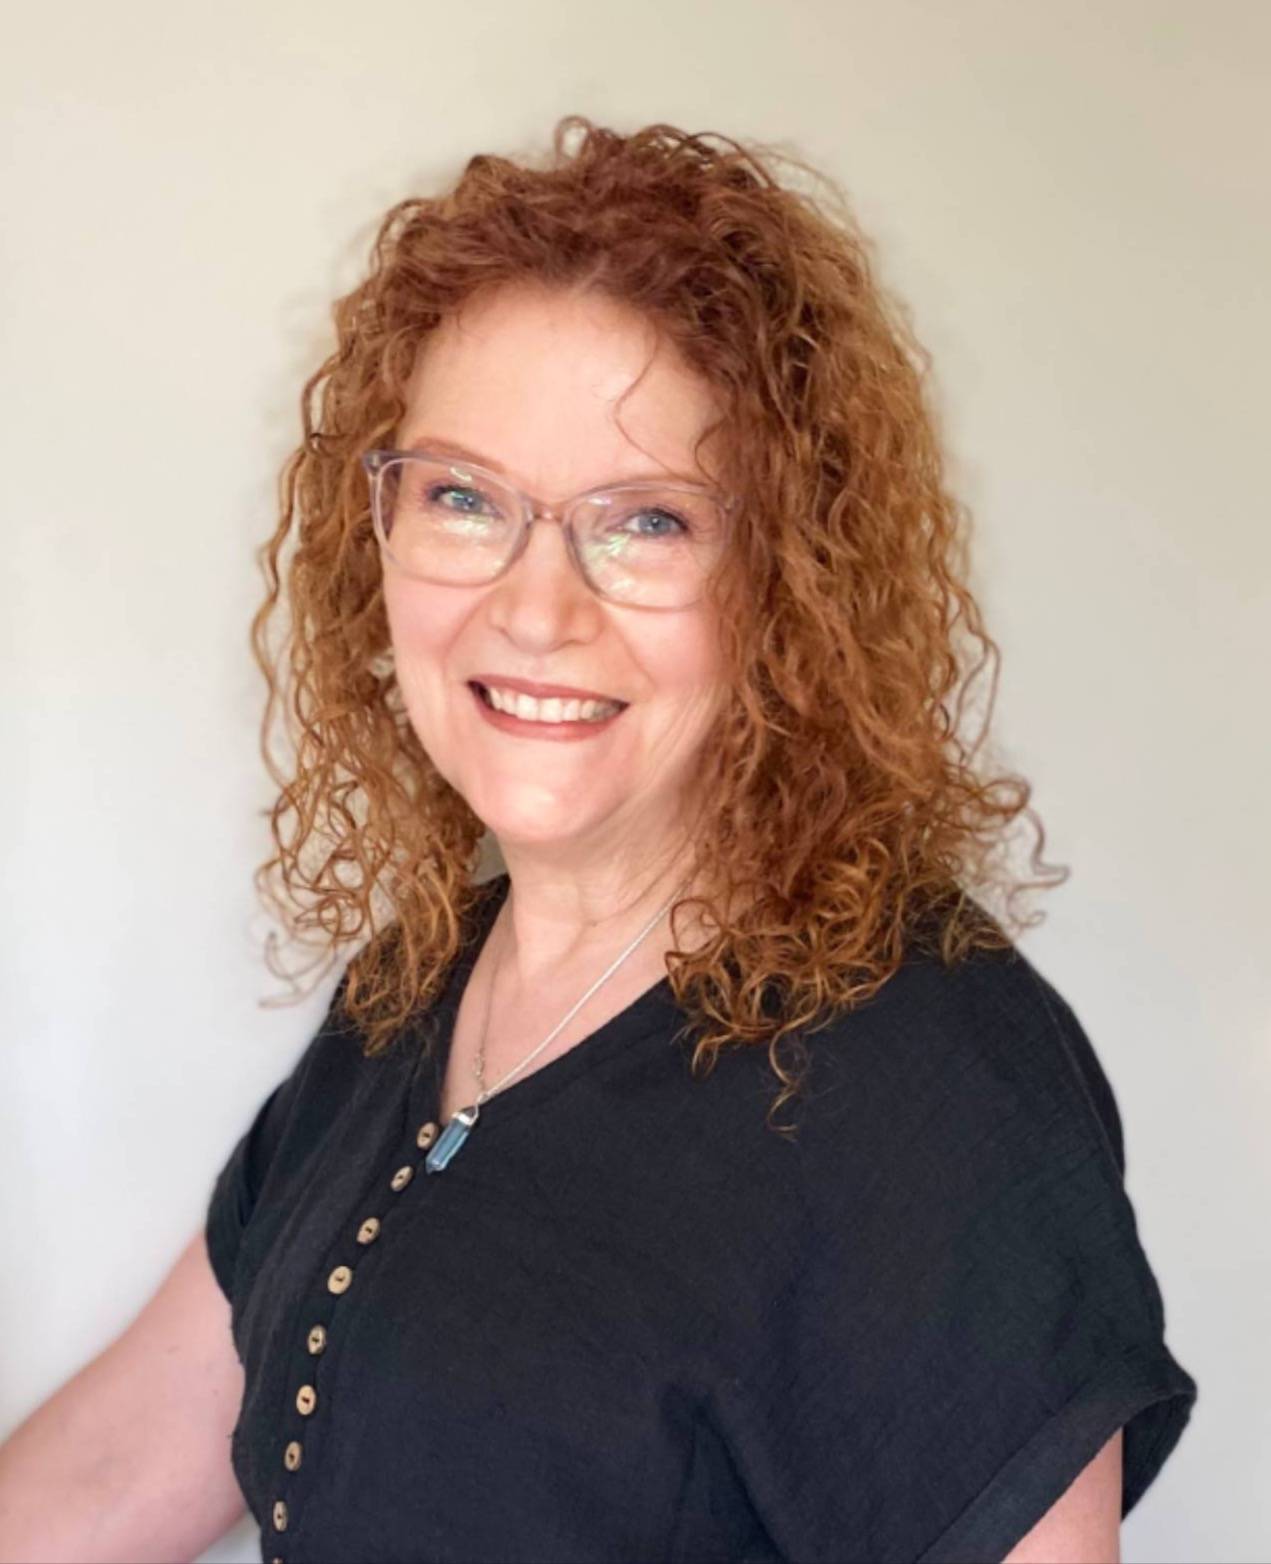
558 920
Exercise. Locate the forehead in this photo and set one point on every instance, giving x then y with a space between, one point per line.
561 391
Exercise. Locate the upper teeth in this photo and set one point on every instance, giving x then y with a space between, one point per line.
553 709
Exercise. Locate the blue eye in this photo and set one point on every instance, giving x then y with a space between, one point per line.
672 525
471 502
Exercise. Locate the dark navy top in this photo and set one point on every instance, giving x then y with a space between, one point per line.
630 1322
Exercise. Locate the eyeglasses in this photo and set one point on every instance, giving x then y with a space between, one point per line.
648 544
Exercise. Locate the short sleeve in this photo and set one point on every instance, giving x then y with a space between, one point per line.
242 1176
974 1315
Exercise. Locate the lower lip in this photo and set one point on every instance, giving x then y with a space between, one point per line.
566 731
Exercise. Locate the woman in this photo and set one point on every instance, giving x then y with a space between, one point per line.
618 537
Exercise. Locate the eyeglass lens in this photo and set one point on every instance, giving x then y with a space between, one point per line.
648 545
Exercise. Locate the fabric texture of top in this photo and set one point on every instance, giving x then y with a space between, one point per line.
631 1322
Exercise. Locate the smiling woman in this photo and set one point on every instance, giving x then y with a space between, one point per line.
617 541
513 618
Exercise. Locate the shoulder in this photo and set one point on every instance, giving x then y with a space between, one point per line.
984 1047
321 1080
962 1312
334 1067
330 1057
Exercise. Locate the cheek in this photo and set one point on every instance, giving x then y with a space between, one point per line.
422 626
422 623
685 664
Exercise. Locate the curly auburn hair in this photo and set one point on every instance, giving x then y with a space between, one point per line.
844 817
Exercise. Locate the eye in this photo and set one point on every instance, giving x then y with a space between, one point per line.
664 523
460 499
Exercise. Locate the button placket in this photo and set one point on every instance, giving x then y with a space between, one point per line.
338 1282
340 1278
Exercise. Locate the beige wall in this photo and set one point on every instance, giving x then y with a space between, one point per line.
1072 198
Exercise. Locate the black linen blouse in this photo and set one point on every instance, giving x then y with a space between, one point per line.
630 1322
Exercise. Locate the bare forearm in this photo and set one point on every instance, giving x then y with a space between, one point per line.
129 1459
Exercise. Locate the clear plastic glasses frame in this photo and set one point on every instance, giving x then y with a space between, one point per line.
379 465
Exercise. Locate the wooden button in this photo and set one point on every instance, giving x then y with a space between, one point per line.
339 1279
369 1230
291 1455
280 1515
306 1400
401 1178
427 1134
317 1339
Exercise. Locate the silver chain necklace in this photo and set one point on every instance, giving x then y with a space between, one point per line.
463 1119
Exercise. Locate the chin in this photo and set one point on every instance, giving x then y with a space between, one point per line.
533 818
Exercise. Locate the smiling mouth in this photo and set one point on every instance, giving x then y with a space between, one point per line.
553 709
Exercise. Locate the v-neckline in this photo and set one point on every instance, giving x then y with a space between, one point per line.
650 1014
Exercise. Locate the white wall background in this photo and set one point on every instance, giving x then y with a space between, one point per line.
1072 198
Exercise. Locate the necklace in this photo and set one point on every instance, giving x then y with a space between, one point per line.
463 1119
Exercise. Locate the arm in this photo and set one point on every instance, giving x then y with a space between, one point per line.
130 1459
1083 1526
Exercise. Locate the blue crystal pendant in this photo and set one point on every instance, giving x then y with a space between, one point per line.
451 1138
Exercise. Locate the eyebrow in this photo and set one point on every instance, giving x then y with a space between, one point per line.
443 447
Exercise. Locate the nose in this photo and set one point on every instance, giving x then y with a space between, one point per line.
541 601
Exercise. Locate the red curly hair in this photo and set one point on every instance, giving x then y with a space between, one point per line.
844 816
